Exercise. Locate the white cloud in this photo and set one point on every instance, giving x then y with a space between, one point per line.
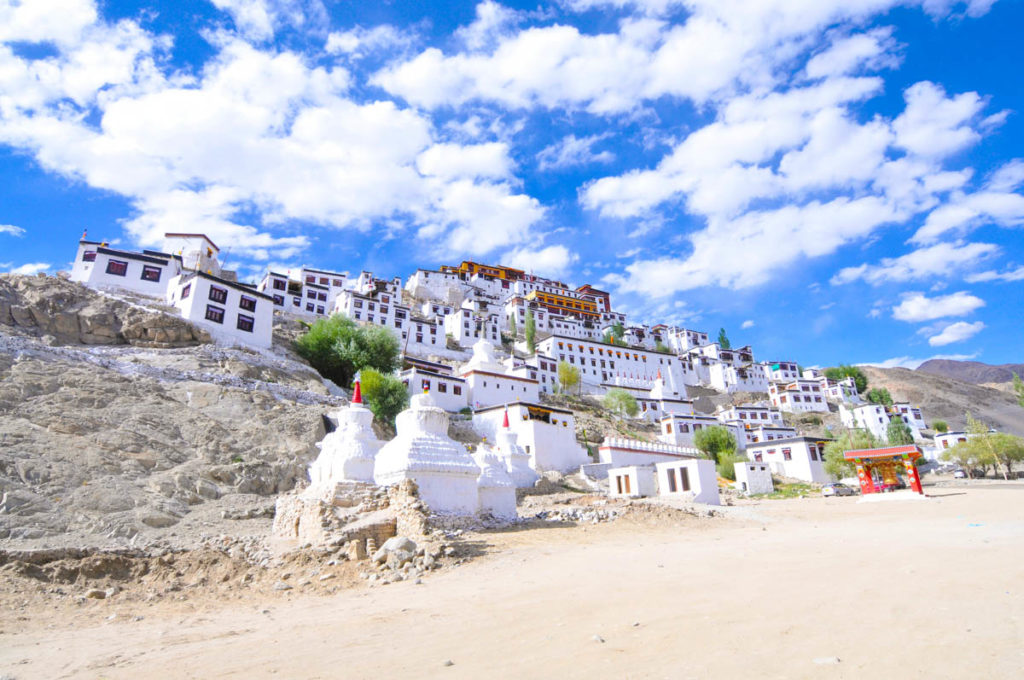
258 141
258 19
747 324
1009 275
956 332
933 125
492 22
995 204
917 307
943 259
11 230
31 268
573 151
874 50
360 41
553 261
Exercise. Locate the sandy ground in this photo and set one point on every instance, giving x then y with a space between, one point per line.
779 589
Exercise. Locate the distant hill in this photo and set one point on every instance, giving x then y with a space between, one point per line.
942 398
971 371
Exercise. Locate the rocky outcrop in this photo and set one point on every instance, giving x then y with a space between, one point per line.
69 313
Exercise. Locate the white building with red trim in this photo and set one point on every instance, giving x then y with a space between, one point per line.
147 273
231 312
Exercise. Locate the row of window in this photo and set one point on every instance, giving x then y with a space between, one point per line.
120 268
243 323
324 281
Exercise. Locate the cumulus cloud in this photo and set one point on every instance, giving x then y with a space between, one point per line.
258 19
874 50
747 324
996 203
11 230
940 260
31 268
360 41
552 261
1008 275
918 307
956 332
260 140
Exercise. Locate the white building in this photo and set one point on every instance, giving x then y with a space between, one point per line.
231 312
147 273
449 391
696 477
753 478
680 340
488 382
468 326
548 434
679 429
754 414
197 252
621 452
875 418
797 457
948 440
416 335
781 371
633 481
798 396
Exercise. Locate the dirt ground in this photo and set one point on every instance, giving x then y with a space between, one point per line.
801 588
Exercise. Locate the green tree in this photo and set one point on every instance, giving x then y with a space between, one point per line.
568 377
618 333
620 401
985 447
850 440
714 441
385 395
723 339
512 326
531 332
847 371
940 426
898 433
879 395
338 348
1018 389
659 346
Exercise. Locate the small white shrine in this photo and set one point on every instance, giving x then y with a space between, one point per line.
422 451
347 454
496 491
517 460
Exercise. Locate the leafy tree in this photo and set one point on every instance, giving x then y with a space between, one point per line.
1018 389
512 325
385 395
531 332
723 339
984 447
621 402
879 395
714 441
940 426
850 440
659 346
568 377
338 348
898 433
847 371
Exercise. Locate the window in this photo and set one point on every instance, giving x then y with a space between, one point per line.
442 387
319 309
457 389
117 267
419 337
336 282
218 294
358 304
279 300
295 302
245 323
787 454
309 308
322 297
310 279
684 478
279 284
247 303
215 314
311 294
668 428
671 480
323 280
185 291
425 385
89 256
758 458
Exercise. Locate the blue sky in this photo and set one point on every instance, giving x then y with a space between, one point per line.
829 180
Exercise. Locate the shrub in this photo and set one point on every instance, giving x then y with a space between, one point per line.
568 377
847 371
714 441
385 395
940 426
726 466
621 402
879 395
338 348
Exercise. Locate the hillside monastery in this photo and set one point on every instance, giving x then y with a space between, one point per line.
462 333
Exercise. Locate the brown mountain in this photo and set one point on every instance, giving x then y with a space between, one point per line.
971 371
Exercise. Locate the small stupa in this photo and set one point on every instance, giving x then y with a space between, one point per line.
347 454
483 359
516 459
497 492
422 451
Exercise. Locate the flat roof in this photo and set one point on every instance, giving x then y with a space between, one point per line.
133 256
423 371
555 336
885 452
528 404
788 440
230 284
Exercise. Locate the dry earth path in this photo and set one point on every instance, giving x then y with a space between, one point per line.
776 590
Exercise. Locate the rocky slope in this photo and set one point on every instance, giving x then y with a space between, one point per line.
947 399
128 442
971 371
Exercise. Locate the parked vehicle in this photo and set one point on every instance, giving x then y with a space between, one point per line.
960 474
838 489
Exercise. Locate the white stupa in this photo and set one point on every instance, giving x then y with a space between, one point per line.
423 451
497 492
515 457
483 359
347 454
